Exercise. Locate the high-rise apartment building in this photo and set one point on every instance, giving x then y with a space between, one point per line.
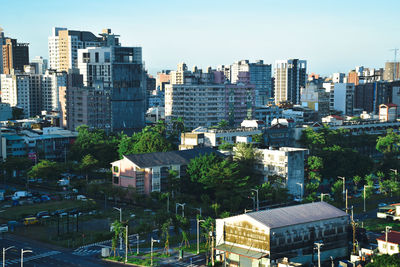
204 99
344 97
290 76
15 55
316 98
120 71
15 90
64 45
392 71
260 76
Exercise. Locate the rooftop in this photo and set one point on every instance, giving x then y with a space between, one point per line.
393 237
299 214
179 157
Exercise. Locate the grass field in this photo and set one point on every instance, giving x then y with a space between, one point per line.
378 225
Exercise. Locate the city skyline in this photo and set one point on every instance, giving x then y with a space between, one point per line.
333 36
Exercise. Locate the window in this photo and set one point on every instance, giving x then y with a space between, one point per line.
116 180
96 55
115 169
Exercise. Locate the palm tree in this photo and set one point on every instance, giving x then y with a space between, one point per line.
165 234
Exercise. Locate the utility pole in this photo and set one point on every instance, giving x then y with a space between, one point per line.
137 244
212 245
346 200
387 228
365 186
120 220
126 244
198 233
354 225
319 245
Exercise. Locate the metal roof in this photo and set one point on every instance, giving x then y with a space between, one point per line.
241 251
299 214
180 157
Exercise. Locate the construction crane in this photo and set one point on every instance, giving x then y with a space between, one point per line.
395 50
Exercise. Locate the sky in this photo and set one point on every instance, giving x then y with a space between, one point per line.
333 36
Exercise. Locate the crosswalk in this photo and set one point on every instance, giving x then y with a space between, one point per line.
34 257
86 251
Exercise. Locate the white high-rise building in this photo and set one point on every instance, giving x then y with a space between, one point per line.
51 81
64 45
344 97
290 76
15 90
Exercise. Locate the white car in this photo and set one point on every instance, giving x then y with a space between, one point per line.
81 197
3 228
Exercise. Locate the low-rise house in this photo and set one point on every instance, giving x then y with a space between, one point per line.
149 172
262 238
390 244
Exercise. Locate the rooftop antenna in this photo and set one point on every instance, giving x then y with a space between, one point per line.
395 50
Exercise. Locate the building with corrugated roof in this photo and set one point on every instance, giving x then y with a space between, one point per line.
262 238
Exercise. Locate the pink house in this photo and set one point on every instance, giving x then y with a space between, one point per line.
149 172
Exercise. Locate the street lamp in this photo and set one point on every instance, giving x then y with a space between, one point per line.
22 255
301 190
137 244
120 220
4 255
344 184
365 186
198 233
183 208
258 202
319 245
120 213
153 241
322 196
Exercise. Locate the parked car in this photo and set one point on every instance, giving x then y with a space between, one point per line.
382 204
30 221
45 198
81 197
57 212
42 214
36 200
19 194
3 228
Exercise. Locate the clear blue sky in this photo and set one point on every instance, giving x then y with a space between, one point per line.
332 35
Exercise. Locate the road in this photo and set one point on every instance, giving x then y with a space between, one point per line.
44 254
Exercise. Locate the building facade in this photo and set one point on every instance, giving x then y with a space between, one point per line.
290 76
15 55
149 172
262 238
288 163
344 98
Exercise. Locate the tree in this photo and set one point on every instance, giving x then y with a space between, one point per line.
17 165
337 190
119 231
88 164
389 143
165 234
223 124
385 260
45 169
147 141
356 180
